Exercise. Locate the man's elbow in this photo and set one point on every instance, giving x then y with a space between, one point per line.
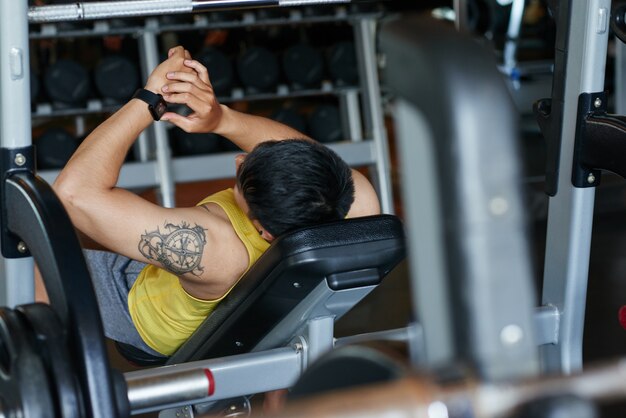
66 190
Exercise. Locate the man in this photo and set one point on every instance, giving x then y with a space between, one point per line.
169 268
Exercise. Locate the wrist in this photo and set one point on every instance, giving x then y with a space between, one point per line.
224 125
153 88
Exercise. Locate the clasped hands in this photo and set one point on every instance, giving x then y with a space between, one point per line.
182 80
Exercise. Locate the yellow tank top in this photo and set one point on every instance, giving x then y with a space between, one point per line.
164 314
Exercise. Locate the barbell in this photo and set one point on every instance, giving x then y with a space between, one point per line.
136 8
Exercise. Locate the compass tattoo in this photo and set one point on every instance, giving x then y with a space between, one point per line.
178 248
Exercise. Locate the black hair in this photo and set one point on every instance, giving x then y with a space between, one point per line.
295 183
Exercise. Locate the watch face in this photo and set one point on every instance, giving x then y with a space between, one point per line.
161 108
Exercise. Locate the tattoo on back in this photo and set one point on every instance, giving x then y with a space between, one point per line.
178 248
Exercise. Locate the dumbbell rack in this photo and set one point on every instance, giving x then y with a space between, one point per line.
365 145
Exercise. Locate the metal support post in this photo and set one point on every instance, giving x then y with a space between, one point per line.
16 275
351 115
512 34
471 276
460 15
364 31
319 336
149 60
620 78
571 209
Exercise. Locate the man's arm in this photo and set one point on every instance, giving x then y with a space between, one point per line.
181 240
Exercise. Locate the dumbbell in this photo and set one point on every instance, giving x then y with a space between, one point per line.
219 67
325 124
116 78
54 148
184 143
342 63
258 69
67 82
303 65
290 117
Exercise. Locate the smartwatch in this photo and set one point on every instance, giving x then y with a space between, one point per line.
156 104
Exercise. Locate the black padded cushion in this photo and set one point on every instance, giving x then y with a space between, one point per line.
266 293
137 356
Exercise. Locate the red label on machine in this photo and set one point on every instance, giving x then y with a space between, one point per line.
211 380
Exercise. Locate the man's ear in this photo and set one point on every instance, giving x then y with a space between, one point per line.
267 236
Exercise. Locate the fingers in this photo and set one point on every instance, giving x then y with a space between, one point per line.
178 50
195 103
189 78
181 121
203 73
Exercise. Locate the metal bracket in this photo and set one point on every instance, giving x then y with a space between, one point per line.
15 160
600 141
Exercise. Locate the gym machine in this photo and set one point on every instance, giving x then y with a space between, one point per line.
473 315
52 358
483 310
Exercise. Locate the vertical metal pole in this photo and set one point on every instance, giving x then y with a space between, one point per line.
571 209
364 32
460 15
512 34
16 276
149 60
351 115
620 77
424 217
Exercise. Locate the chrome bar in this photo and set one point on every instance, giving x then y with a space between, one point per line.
137 8
210 380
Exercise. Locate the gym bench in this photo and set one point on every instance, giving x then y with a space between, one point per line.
281 314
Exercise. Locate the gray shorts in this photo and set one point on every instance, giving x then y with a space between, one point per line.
113 276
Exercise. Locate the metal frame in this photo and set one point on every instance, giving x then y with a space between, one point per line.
570 213
468 253
364 35
15 129
198 382
149 52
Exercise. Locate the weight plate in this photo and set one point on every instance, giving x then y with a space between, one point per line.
51 344
116 77
24 389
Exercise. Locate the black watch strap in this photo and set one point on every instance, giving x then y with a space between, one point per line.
156 103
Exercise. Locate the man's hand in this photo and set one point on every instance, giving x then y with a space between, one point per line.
193 89
174 62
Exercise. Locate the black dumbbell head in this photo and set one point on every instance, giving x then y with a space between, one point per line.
258 68
185 143
116 78
54 148
66 81
290 117
342 63
219 67
303 65
325 124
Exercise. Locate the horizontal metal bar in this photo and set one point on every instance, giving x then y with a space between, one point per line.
107 9
399 334
210 380
135 175
132 176
79 11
